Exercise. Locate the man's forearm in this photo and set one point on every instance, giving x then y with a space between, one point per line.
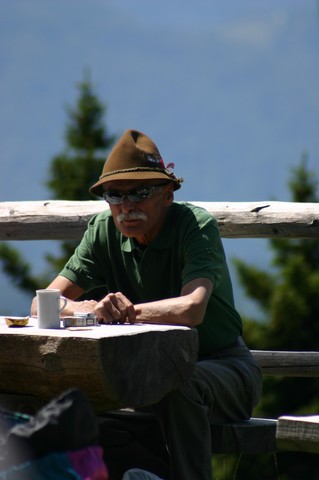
173 311
188 309
72 306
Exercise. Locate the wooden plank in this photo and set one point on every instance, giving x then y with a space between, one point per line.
117 366
254 436
288 363
46 220
66 220
298 433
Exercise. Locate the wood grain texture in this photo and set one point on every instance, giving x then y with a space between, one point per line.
119 367
67 220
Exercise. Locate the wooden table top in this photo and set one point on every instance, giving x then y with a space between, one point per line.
117 366
101 331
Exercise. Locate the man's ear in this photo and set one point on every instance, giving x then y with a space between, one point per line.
169 195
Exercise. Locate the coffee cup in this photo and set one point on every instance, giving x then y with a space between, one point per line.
49 307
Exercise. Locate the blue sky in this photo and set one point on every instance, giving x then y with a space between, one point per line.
220 83
228 89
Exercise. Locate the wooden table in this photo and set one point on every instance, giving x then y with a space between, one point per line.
117 366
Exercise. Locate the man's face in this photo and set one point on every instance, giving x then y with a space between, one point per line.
141 220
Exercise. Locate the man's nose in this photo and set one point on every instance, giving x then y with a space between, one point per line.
127 206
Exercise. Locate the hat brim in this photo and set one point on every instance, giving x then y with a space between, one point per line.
97 188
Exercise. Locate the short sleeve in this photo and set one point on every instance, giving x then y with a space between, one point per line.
202 249
84 267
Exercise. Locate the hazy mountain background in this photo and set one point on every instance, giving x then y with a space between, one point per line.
228 89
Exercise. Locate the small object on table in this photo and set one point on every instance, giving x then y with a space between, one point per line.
81 320
16 321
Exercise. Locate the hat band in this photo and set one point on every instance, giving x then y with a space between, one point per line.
138 169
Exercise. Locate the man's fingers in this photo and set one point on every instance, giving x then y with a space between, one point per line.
115 307
131 314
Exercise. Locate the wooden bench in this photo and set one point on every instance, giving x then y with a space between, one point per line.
258 435
254 436
61 220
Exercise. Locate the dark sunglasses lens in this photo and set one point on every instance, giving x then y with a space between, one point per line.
134 196
113 198
140 194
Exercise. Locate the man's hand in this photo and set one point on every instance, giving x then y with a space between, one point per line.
115 308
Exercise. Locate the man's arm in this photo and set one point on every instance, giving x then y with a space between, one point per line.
71 291
187 309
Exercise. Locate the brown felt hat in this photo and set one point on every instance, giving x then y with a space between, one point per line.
134 157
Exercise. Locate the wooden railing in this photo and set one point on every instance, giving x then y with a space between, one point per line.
66 220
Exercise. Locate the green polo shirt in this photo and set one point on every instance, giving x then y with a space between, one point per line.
187 247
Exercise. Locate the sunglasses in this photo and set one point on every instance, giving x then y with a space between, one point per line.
137 195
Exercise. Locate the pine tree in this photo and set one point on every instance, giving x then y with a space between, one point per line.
80 165
70 175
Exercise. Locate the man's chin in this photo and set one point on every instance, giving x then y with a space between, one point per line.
130 229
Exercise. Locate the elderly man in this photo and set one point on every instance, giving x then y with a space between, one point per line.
163 262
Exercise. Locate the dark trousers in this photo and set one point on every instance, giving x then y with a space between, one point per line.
223 388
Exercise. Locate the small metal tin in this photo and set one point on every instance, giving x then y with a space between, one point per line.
81 320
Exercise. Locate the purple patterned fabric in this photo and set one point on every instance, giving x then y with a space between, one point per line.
88 463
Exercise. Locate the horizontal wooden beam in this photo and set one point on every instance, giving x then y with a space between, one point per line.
298 433
288 364
66 220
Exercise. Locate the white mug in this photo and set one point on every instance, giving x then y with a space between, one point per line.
49 307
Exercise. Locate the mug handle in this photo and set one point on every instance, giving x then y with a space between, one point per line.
65 301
